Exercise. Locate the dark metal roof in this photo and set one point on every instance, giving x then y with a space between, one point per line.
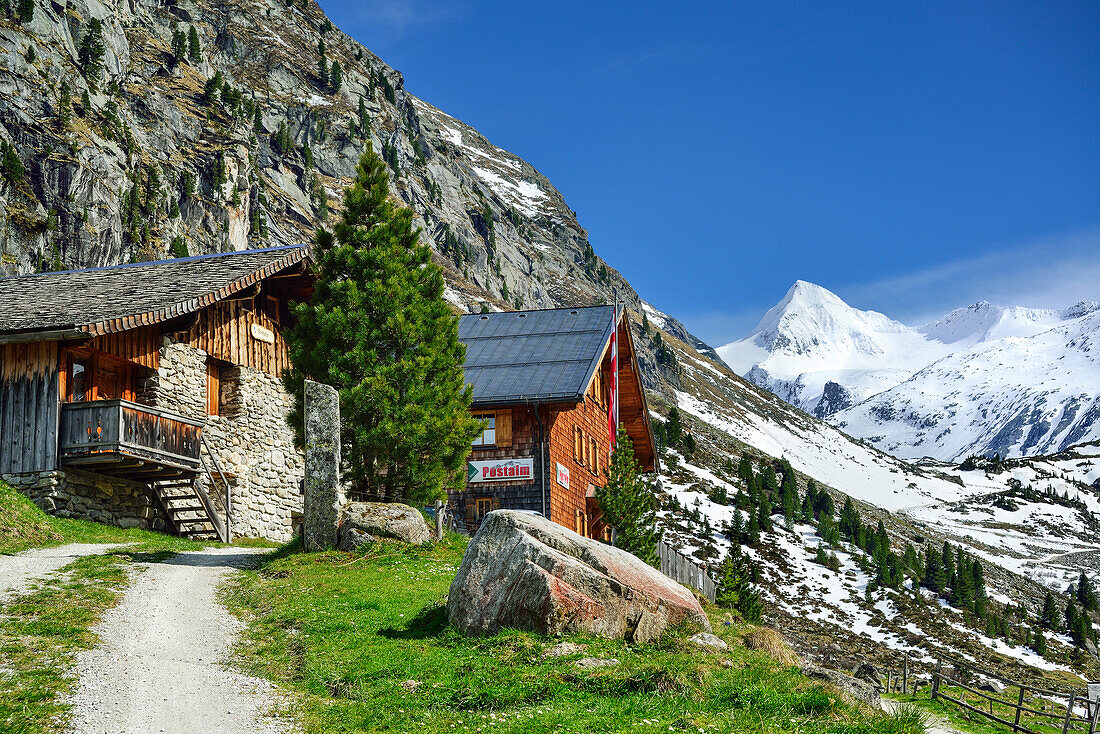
109 299
545 356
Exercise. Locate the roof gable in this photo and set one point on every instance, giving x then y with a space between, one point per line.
548 356
110 299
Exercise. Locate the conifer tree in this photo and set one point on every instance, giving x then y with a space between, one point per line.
90 54
1050 618
378 329
85 103
735 587
850 522
769 482
628 503
10 165
322 72
1039 643
194 48
737 527
752 531
948 555
1086 596
674 428
64 107
364 120
335 77
25 11
744 470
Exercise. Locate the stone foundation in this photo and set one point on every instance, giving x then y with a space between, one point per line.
250 439
86 496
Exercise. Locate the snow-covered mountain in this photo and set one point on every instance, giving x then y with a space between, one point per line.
1016 396
895 385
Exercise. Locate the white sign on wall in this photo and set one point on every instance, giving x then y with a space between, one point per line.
563 476
500 470
263 334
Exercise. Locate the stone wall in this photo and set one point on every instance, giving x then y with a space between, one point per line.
87 496
250 439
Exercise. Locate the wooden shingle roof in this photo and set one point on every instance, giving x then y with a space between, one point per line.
122 297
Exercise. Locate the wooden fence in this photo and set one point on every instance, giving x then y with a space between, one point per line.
685 570
1053 711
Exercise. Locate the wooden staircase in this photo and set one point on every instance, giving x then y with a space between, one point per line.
189 509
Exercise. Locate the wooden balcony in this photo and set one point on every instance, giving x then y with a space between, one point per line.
128 440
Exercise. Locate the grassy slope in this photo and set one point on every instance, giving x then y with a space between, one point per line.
23 526
364 643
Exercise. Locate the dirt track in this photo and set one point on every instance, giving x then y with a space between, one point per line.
160 665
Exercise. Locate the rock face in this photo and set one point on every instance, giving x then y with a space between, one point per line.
858 689
148 157
323 495
362 522
525 572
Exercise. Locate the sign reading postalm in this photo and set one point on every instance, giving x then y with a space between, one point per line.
500 470
563 475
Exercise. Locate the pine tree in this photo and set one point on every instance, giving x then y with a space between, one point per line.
90 54
1086 596
770 482
335 77
629 504
378 329
64 107
735 587
674 429
194 49
745 471
25 11
850 522
737 527
1039 643
10 165
948 555
364 120
179 46
752 531
934 578
258 121
821 557
322 72
211 90
1050 618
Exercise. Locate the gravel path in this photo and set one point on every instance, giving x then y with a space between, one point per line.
160 665
934 724
20 571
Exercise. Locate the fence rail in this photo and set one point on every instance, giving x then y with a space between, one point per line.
1064 716
685 570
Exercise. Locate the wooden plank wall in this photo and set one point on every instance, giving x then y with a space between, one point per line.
141 345
29 405
224 332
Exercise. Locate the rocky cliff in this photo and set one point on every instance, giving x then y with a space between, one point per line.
150 130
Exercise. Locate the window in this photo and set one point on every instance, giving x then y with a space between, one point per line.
594 464
488 437
78 381
482 507
578 445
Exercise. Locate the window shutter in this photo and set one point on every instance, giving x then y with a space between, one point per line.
504 429
213 388
577 450
471 509
495 503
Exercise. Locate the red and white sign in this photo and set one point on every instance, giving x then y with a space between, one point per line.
563 475
500 470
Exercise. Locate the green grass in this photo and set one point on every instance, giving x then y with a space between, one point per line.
362 643
972 723
23 525
41 631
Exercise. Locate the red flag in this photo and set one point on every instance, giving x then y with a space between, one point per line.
613 396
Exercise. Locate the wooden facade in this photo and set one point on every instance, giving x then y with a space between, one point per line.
572 435
29 402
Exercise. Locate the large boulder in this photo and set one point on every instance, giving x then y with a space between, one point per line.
362 522
522 571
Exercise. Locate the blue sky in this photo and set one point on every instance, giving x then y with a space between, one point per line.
912 157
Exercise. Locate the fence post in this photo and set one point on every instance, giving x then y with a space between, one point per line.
905 674
1019 709
1069 712
1095 705
936 681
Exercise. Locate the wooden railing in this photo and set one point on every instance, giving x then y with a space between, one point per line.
685 570
106 429
1028 710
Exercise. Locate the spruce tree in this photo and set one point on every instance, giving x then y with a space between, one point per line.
674 427
934 578
1039 643
1086 597
364 120
322 72
64 107
89 55
378 329
194 49
11 167
628 503
1050 618
735 587
25 11
335 77
744 470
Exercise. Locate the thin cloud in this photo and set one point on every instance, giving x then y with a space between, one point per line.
396 16
1052 272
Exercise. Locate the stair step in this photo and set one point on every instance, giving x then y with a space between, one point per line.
200 508
169 497
189 533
